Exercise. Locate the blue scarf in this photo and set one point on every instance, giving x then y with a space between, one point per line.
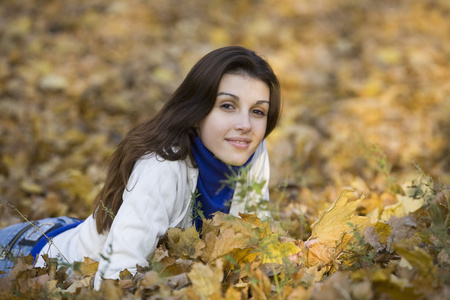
213 195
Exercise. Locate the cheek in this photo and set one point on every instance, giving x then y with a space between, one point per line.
260 129
216 124
209 129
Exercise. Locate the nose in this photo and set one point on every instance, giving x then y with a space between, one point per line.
243 123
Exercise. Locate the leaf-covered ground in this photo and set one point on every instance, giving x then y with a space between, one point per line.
366 107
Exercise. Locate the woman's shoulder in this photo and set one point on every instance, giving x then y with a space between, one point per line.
153 165
158 161
152 171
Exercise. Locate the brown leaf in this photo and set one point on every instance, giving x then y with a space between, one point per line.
317 253
111 290
336 284
151 278
185 243
232 294
261 285
377 235
226 242
245 225
125 274
77 284
402 228
178 281
299 293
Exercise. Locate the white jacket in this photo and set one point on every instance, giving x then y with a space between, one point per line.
157 197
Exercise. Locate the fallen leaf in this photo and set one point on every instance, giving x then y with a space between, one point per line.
232 294
86 268
377 235
420 259
111 290
125 274
243 256
31 187
329 228
84 282
261 285
206 279
151 278
244 224
185 243
402 228
273 251
404 206
362 290
224 243
177 281
317 253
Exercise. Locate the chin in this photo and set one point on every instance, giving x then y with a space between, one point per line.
238 162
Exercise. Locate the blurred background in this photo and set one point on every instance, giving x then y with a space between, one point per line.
366 89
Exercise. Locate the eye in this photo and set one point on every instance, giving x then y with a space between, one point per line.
227 106
259 112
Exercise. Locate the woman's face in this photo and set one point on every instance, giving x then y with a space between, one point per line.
237 123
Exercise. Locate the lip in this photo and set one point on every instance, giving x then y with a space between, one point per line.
239 142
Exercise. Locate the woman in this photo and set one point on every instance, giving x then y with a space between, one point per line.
171 167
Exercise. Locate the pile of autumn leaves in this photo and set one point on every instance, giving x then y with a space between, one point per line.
395 251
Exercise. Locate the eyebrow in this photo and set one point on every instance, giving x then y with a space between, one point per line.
237 98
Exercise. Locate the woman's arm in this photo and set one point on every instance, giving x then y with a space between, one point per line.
153 197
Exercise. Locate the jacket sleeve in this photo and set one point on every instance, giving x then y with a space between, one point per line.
150 202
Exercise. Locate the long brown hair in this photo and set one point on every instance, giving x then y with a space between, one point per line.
173 126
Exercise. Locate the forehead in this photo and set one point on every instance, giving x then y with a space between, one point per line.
244 85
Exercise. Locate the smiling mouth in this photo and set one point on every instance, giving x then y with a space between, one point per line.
239 143
239 140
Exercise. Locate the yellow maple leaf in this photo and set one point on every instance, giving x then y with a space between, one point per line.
338 220
273 251
243 256
87 267
206 279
